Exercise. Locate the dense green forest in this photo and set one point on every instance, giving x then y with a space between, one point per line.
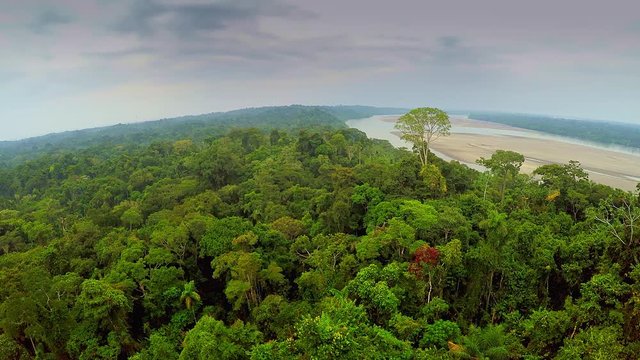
195 127
261 242
604 132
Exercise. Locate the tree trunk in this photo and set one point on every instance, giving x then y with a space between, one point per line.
426 153
430 288
490 290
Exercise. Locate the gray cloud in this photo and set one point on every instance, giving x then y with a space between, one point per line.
48 19
224 38
120 60
449 42
453 51
139 17
148 17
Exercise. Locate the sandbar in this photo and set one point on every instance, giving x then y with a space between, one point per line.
610 167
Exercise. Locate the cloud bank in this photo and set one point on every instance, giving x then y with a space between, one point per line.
86 63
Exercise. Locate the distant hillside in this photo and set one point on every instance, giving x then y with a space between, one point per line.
604 132
348 112
197 127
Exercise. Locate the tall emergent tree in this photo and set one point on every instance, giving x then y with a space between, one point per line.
504 164
421 126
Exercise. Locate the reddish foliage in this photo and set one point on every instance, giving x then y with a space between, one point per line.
415 269
425 255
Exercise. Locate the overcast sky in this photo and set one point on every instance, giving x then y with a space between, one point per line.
70 64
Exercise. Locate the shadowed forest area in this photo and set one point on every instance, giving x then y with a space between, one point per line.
253 241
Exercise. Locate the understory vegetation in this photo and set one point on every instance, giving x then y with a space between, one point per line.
311 244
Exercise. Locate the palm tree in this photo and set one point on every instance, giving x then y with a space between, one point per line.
190 297
490 342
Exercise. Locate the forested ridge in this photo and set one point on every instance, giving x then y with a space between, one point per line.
603 132
195 127
281 243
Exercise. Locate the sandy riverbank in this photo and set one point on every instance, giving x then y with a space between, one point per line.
459 121
617 169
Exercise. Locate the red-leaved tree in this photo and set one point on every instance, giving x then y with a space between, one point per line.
425 260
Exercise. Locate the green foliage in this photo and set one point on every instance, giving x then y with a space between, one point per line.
375 295
546 330
101 309
219 235
593 344
342 332
102 302
419 216
434 309
197 127
9 349
491 342
318 243
291 228
434 181
212 339
405 328
189 295
504 165
159 348
421 126
243 271
367 195
274 350
439 333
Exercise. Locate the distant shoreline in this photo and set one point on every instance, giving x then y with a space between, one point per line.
609 167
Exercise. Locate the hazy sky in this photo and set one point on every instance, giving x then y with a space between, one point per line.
71 64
